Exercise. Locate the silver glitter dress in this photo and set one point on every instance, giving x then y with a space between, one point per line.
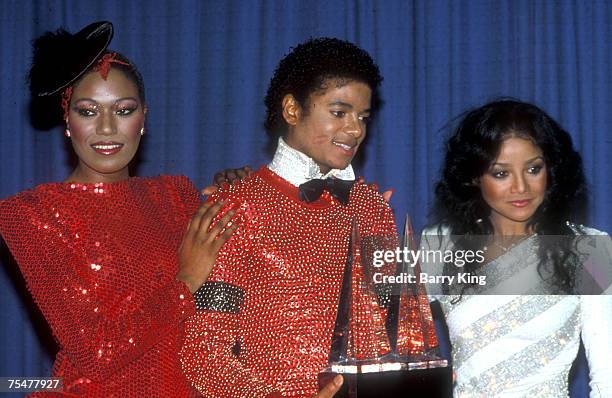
522 345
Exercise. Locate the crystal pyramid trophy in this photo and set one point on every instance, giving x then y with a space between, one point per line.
384 341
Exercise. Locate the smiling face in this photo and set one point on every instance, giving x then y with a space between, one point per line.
105 120
515 185
332 124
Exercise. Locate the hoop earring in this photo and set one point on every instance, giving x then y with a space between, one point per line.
67 132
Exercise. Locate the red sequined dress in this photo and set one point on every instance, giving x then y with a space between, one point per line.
100 261
264 327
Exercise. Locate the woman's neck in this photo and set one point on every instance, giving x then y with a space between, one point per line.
85 176
510 228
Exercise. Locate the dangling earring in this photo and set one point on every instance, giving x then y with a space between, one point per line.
67 132
142 131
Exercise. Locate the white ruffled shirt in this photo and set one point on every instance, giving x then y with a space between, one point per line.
298 168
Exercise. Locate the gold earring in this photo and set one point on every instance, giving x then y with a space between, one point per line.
67 132
142 131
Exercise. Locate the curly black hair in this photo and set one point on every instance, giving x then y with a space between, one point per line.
471 149
308 68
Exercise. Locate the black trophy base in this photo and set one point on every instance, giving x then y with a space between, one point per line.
416 383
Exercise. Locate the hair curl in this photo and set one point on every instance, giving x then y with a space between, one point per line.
473 147
130 71
308 68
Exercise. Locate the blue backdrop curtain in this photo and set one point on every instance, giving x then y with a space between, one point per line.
207 64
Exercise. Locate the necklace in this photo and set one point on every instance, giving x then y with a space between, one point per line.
505 248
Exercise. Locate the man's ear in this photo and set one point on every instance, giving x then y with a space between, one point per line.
292 111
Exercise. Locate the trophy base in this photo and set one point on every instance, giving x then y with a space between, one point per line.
404 383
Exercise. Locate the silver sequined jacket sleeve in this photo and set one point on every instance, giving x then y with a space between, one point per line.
596 331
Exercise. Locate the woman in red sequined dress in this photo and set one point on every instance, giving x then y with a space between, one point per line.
99 251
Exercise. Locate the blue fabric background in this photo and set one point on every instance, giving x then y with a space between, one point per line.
207 64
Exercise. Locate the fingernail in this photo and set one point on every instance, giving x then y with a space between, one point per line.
338 381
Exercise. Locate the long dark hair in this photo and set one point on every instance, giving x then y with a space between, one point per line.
472 148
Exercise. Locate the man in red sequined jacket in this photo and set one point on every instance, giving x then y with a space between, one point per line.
266 315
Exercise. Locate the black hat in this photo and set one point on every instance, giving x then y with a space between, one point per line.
60 58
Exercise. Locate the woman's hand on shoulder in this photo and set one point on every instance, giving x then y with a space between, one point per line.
227 176
386 194
201 243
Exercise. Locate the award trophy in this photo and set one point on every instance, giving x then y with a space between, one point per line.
384 342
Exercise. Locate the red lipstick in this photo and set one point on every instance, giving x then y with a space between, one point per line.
107 148
520 203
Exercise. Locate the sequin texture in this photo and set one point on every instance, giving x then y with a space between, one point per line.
522 345
288 257
100 261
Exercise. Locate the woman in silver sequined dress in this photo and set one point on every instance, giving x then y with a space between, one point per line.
511 184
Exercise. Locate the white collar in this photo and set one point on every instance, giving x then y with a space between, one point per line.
297 168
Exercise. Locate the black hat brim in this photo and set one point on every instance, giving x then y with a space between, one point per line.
62 58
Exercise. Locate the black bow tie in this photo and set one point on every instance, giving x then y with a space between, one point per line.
339 189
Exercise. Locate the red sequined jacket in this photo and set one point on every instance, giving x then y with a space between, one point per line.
100 262
267 319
